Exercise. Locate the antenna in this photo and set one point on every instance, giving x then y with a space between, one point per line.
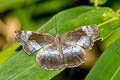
55 25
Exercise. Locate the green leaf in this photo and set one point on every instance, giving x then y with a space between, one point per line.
64 24
99 2
20 65
108 27
108 65
7 52
65 16
110 39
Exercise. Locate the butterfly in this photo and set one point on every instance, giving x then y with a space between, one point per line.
54 53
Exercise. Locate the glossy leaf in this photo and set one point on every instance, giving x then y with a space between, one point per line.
108 27
4 54
95 16
108 65
21 66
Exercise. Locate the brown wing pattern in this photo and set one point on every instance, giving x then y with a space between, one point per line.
74 55
49 58
33 41
83 36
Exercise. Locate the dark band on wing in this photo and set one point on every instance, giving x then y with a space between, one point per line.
42 37
49 58
33 41
74 55
83 36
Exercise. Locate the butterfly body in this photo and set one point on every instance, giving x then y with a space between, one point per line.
54 53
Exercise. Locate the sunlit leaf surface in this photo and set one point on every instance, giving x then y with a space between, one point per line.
108 65
21 66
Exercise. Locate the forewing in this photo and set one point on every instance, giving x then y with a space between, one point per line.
83 36
33 41
49 58
74 55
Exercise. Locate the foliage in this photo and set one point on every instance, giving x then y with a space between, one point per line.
98 1
20 66
104 66
7 52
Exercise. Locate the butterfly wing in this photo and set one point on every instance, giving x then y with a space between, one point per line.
83 36
49 58
74 55
33 41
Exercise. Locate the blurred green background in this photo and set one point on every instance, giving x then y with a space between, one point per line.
31 15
